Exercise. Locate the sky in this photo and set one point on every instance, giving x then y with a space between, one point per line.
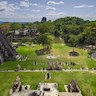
34 10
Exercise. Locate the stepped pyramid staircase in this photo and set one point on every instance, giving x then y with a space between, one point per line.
6 50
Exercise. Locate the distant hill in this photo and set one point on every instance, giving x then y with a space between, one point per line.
69 21
1 22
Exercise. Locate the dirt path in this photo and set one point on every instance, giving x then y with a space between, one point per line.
75 70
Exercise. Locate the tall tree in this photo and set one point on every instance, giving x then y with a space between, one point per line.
45 40
73 41
15 26
5 27
47 27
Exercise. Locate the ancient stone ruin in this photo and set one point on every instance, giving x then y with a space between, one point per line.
18 67
7 52
73 87
73 53
44 19
44 89
16 86
55 66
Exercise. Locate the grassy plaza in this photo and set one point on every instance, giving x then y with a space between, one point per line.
61 52
86 80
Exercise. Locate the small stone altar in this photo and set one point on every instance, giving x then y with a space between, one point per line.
55 66
48 89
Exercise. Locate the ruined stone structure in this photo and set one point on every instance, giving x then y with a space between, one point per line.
44 89
19 34
7 52
73 87
44 19
54 66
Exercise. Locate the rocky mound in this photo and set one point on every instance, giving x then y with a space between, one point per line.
73 53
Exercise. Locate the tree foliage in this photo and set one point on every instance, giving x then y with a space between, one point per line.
74 29
15 26
5 27
45 40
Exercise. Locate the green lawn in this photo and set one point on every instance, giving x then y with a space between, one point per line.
86 80
58 50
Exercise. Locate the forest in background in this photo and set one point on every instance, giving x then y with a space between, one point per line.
74 30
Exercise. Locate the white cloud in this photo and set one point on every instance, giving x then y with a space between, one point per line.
25 3
27 16
53 13
50 8
84 6
4 6
35 10
7 10
26 0
36 5
55 3
16 16
12 7
10 11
